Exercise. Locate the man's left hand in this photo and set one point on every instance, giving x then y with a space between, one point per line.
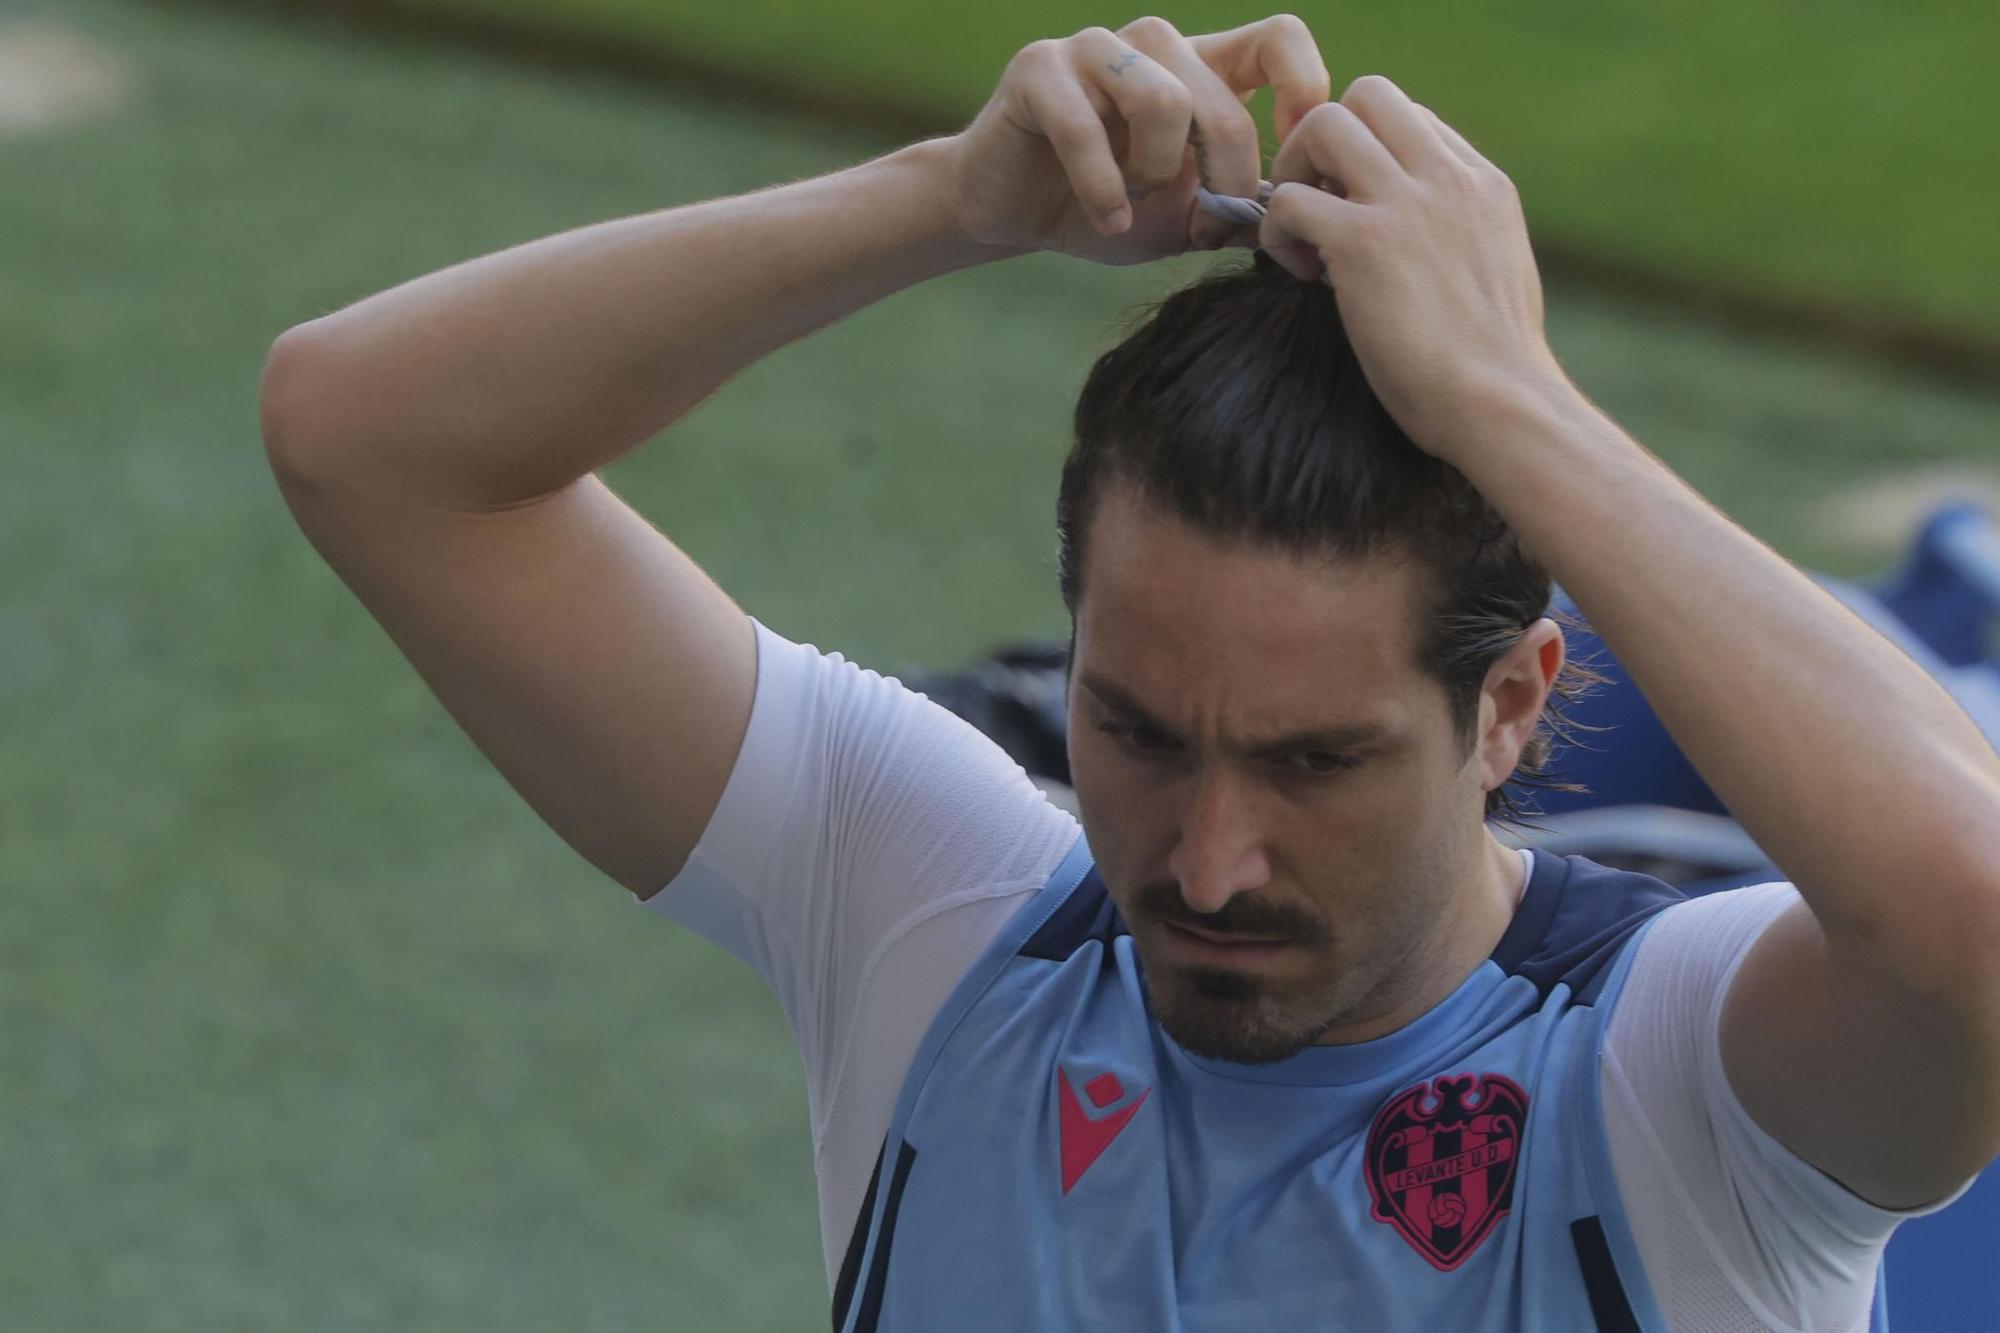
1424 243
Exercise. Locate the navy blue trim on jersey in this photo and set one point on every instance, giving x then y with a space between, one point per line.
1608 1305
1087 914
850 1264
1572 921
1620 1245
878 1267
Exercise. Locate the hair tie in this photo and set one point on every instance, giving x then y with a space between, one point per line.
1242 211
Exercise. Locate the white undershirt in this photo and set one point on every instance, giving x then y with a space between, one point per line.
870 843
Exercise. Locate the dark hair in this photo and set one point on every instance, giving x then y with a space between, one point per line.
1240 408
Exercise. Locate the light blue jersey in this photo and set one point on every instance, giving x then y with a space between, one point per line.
1056 1161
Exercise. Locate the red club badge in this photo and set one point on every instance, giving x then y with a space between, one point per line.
1441 1159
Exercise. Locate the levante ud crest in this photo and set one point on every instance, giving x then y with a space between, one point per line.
1441 1160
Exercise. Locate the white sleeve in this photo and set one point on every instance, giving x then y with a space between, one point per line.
867 847
1736 1232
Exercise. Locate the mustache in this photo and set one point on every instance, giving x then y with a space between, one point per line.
1244 914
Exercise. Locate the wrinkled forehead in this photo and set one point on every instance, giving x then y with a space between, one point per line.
1174 614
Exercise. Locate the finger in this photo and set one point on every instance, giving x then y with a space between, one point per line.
1278 52
1333 149
1228 156
1156 106
1454 140
1301 224
1055 106
1403 129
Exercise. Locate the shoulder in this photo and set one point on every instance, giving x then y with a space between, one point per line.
846 775
1724 1215
1710 932
1575 920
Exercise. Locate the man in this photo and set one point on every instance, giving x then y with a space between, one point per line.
1291 1040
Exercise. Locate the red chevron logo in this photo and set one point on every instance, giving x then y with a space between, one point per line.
1084 1139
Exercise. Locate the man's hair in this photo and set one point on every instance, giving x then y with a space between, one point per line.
1240 408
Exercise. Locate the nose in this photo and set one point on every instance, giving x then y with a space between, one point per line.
1221 849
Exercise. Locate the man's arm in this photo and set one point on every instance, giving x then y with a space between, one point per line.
1863 1030
1864 1033
504 378
436 444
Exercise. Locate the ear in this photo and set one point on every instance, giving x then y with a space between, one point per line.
1511 700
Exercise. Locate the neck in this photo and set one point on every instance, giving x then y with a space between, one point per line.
1483 914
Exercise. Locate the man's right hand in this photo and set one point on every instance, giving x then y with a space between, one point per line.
1080 124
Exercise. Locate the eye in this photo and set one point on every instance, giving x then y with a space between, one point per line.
1143 740
1318 763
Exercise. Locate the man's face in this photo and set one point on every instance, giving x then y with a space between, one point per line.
1210 690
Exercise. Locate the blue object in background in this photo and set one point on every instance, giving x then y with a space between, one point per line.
1949 591
1942 608
1634 761
1944 1270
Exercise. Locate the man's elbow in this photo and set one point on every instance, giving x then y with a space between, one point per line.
300 409
283 406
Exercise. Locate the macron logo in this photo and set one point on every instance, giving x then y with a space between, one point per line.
1084 1139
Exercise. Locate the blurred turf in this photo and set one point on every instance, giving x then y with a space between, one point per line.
1838 152
309 1023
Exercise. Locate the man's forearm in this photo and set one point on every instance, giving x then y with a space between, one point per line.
1853 769
509 376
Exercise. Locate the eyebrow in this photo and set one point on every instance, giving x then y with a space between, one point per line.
1330 736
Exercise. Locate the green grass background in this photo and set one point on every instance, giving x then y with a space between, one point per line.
1840 150
305 1021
